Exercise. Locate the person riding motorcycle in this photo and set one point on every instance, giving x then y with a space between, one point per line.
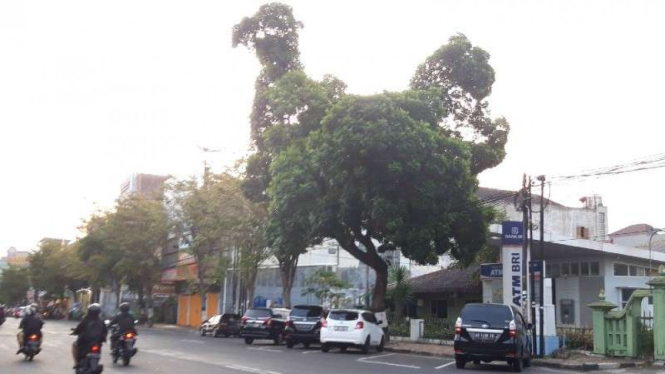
91 330
30 324
125 322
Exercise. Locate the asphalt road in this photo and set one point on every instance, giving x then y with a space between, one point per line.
183 351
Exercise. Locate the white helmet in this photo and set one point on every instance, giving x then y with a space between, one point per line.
28 311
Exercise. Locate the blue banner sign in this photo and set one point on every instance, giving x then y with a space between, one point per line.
512 233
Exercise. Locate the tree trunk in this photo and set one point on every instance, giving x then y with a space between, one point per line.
287 270
380 289
251 285
203 291
118 287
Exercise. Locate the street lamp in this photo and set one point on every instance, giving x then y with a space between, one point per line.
653 232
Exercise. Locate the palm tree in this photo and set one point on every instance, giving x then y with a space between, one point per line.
400 291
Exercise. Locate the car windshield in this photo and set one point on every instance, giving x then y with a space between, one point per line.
306 311
258 313
343 315
493 315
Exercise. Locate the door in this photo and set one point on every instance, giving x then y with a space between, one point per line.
373 328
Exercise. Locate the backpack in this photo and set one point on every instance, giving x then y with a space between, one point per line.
94 331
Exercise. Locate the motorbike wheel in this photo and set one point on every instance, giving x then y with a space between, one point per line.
125 360
30 357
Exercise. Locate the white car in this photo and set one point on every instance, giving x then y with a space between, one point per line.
351 328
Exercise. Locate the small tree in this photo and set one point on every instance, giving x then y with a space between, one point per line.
325 286
400 290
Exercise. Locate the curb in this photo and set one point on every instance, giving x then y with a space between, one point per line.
543 363
587 366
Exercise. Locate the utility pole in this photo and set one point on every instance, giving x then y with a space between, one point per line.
541 342
525 262
532 280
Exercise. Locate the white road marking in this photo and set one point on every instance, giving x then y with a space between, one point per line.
311 352
373 357
265 349
251 370
184 356
366 361
192 341
444 365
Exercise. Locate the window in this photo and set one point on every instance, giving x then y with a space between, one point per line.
585 269
620 270
440 308
601 225
632 271
594 268
575 269
565 270
369 317
554 271
343 315
640 271
625 295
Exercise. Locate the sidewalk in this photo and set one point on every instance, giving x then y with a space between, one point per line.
579 363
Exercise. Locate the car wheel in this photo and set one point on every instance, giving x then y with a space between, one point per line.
381 345
517 364
342 349
476 362
249 340
459 363
365 348
306 345
325 348
202 332
527 362
215 333
278 339
290 344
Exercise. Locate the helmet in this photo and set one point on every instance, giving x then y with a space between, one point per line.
94 310
124 307
28 311
34 307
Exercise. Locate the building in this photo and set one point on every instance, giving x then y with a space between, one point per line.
144 184
16 258
638 236
443 293
589 221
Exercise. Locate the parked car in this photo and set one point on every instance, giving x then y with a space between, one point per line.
492 332
225 325
304 325
2 314
18 312
352 328
264 323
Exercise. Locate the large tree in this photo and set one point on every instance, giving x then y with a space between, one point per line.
379 175
138 230
273 34
53 269
14 284
208 213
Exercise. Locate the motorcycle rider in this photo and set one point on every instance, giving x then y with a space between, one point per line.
30 324
125 322
91 330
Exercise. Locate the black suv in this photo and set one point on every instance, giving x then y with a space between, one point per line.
264 323
225 325
492 332
304 325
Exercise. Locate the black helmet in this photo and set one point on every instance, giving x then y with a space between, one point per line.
124 307
94 310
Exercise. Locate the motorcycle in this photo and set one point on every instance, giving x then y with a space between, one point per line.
31 347
89 363
124 347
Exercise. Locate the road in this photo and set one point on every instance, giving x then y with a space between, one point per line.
183 351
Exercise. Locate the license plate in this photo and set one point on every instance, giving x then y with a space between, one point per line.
340 328
255 324
486 336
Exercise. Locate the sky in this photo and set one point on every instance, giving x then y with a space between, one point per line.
91 92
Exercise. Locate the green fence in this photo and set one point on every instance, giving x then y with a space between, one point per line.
439 328
615 333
